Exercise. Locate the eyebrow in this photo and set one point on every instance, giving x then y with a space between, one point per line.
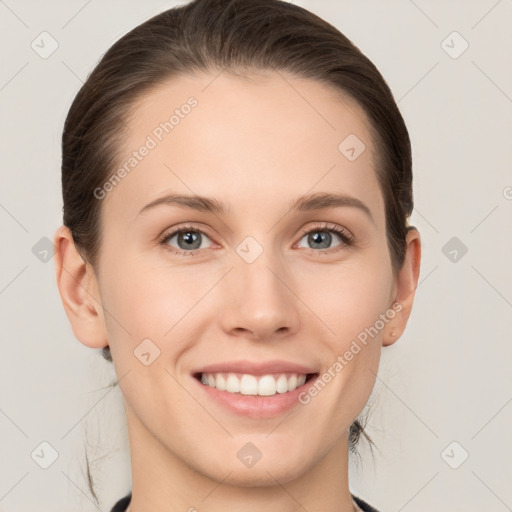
309 202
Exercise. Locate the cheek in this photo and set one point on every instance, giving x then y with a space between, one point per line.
168 304
143 302
352 299
351 304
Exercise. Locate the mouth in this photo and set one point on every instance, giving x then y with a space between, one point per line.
254 390
254 385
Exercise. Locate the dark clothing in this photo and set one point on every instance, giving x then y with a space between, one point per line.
364 506
123 503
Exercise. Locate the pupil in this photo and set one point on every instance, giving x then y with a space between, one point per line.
321 237
189 238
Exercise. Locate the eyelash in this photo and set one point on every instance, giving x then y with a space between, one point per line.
345 236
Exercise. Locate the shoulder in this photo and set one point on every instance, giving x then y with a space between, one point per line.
365 507
122 504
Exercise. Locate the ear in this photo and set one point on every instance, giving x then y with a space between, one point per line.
79 291
406 283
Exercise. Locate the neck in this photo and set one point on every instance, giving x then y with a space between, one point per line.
163 482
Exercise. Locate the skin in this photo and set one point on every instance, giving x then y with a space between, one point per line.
256 143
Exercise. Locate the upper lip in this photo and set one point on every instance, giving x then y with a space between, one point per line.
256 368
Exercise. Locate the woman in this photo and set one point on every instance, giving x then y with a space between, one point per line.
237 185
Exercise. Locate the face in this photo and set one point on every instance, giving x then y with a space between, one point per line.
257 296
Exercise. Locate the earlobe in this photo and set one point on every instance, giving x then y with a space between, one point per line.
406 284
79 291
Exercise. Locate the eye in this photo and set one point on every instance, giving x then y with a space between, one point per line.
320 237
188 238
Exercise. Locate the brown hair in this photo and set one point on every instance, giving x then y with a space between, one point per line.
232 35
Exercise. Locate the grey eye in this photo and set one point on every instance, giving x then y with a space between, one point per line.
319 239
188 239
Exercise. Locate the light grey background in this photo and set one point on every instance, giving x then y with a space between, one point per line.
447 379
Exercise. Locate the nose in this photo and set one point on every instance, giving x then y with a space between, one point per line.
259 302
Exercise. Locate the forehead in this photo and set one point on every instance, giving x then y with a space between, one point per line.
251 141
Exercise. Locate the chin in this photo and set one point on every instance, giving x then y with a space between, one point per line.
267 471
267 476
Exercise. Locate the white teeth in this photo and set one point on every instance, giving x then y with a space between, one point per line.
282 384
232 384
220 382
248 385
266 385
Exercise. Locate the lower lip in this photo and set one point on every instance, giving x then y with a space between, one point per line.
256 406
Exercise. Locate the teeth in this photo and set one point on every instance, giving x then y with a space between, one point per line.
248 385
220 382
282 384
266 385
232 384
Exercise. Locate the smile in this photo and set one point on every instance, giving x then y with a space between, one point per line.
247 384
254 389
